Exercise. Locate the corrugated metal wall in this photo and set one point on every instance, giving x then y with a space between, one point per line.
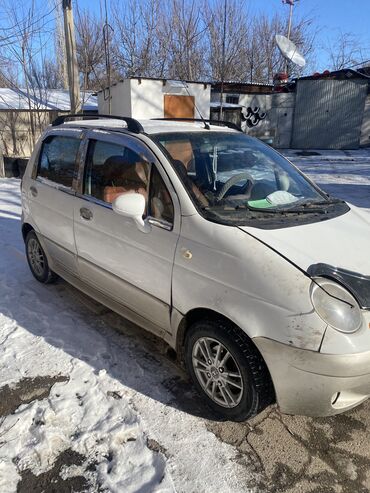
328 114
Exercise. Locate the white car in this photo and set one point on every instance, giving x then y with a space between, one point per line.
216 243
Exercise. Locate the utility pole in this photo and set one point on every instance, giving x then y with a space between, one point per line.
2 164
221 113
72 69
60 45
291 6
106 28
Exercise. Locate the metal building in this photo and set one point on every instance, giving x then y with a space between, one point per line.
329 111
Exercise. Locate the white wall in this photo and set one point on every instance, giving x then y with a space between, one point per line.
279 109
266 127
144 98
147 97
120 94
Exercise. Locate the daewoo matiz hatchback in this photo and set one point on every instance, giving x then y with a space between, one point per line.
215 242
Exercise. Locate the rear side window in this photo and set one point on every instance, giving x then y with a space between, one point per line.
58 159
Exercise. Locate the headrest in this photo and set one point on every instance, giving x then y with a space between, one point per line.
180 150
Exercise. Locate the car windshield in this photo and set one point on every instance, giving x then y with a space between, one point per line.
227 173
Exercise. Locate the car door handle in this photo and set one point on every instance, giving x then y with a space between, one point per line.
33 191
86 213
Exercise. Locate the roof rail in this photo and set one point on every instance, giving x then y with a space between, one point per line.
220 123
132 124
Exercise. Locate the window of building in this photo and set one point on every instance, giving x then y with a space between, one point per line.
58 159
232 99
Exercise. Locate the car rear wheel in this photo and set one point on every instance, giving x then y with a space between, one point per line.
37 260
227 370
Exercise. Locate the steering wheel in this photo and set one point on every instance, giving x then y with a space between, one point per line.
233 181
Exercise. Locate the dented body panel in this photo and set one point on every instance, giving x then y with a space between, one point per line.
233 274
332 242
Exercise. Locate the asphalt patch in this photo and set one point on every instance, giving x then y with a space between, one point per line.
297 454
156 447
51 481
25 391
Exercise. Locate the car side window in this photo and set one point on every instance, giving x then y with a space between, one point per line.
57 159
160 202
113 169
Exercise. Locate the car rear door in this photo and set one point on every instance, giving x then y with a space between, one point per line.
131 267
51 194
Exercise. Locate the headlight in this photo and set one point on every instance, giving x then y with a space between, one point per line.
335 305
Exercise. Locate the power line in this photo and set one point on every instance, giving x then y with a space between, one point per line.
22 26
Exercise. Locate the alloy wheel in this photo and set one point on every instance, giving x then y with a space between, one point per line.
217 372
36 257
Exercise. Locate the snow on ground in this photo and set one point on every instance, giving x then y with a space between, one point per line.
126 408
344 174
119 402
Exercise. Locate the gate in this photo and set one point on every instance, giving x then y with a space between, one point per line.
328 114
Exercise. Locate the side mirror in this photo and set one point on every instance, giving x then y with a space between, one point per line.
132 205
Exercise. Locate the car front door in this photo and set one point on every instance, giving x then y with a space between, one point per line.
131 267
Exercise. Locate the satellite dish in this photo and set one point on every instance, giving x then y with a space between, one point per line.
289 50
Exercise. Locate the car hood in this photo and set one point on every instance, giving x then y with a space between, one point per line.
342 242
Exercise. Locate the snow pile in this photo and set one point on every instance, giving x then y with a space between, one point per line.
121 404
88 412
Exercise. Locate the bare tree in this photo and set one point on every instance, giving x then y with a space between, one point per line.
236 65
90 49
346 50
27 53
267 59
139 46
186 31
50 76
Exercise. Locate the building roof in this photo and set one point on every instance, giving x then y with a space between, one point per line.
164 80
229 86
242 87
364 70
43 100
346 73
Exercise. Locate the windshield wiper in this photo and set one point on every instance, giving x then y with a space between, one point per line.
287 211
328 201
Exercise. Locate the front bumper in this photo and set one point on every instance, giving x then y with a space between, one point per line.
315 384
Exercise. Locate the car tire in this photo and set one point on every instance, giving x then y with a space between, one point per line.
240 385
37 260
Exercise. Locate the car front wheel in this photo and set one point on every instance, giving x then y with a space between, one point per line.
227 370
